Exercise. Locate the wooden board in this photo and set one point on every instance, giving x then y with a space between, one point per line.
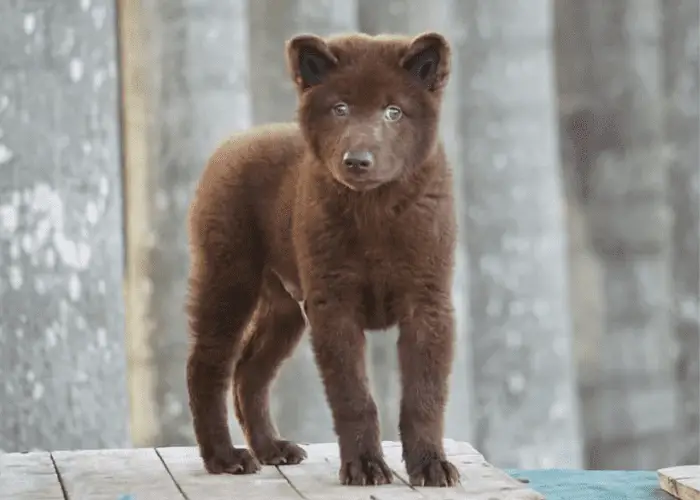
25 476
682 482
177 473
197 484
115 474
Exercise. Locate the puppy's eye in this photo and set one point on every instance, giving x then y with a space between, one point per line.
341 109
392 113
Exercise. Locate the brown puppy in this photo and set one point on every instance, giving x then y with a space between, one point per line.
349 212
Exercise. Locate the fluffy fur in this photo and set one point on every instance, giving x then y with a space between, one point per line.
345 219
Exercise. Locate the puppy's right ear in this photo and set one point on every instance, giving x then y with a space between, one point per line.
309 60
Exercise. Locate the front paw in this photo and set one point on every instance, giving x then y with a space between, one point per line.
230 461
365 469
431 469
278 452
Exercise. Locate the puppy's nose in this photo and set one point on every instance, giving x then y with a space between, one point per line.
358 160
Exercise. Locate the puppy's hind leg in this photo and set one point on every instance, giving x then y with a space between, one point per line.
222 297
277 326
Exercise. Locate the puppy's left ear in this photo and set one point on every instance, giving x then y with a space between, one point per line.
427 59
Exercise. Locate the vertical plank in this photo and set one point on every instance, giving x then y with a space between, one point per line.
614 124
525 384
186 90
586 271
681 67
301 415
62 359
29 476
186 467
115 474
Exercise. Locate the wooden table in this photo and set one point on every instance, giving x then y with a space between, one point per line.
177 473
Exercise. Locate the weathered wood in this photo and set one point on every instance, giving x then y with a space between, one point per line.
114 474
186 89
524 379
681 64
62 356
177 472
317 479
682 482
29 476
610 84
185 465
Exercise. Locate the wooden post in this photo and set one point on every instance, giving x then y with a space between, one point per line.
681 64
524 378
62 359
186 89
610 83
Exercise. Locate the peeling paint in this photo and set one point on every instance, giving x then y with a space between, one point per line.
5 154
29 23
9 218
74 288
15 277
59 233
76 69
99 14
91 212
101 337
39 285
38 391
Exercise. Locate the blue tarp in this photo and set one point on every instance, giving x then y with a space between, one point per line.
563 484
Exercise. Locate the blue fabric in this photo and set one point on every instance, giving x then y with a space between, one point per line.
563 484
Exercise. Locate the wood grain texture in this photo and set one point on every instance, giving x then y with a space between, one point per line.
28 476
197 484
186 89
115 474
177 472
682 482
62 360
526 409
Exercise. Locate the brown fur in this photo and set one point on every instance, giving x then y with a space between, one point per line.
278 219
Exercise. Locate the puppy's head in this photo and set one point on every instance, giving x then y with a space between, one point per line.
369 107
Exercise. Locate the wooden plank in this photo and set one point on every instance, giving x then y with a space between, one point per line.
196 483
682 482
177 472
28 476
61 238
115 474
317 478
479 479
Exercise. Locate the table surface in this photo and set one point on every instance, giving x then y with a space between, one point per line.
177 473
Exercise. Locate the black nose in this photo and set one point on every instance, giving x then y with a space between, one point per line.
358 160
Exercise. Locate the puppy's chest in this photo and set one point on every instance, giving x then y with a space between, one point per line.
380 267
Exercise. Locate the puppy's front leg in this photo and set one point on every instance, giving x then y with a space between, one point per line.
339 346
425 357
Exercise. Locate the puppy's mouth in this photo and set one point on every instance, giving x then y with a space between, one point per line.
358 184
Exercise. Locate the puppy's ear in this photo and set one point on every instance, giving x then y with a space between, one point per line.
309 60
427 59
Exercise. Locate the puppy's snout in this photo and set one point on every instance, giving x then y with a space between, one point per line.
358 160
